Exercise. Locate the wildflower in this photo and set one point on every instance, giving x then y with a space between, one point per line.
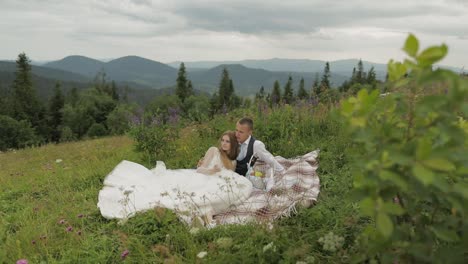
124 254
33 242
62 221
194 230
22 261
202 254
58 160
268 247
224 242
69 229
79 232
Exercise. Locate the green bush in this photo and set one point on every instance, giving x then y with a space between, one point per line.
16 134
411 157
97 130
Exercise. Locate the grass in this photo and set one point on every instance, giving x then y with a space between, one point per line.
46 191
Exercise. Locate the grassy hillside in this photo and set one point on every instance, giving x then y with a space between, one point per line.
48 199
41 186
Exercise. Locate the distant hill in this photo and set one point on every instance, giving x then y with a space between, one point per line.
132 69
44 86
289 65
247 81
148 73
44 80
140 70
78 64
56 74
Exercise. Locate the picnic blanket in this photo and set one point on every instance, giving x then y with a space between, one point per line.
227 196
298 185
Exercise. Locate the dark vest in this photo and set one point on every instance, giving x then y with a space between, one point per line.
241 166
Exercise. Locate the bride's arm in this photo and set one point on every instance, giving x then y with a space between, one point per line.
209 156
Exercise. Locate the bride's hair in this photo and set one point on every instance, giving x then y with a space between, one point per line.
227 158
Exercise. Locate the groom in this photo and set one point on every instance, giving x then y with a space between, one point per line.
250 146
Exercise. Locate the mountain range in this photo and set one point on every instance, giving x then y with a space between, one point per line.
248 76
144 74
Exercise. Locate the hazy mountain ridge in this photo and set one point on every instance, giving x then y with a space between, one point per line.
289 65
138 70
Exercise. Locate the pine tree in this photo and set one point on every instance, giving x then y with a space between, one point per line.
360 75
189 88
276 94
26 105
182 90
302 93
226 89
371 77
353 76
261 94
288 95
5 100
114 92
325 82
315 86
73 96
56 105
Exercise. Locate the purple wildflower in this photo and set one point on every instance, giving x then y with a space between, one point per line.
173 115
69 229
62 221
135 120
33 242
124 254
79 232
225 109
22 261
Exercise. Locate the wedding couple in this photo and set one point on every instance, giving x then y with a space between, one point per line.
239 157
214 187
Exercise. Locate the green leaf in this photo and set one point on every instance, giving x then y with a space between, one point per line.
393 209
395 70
432 55
439 164
462 189
395 178
384 225
445 234
367 206
411 46
424 149
424 175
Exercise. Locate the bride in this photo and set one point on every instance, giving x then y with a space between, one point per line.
212 188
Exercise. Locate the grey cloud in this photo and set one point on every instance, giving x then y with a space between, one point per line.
258 17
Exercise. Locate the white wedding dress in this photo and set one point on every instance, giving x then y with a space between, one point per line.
132 188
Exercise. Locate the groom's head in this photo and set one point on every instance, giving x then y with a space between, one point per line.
244 128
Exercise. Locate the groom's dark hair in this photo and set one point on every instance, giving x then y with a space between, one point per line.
246 121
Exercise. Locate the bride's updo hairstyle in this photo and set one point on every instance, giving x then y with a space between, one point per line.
227 158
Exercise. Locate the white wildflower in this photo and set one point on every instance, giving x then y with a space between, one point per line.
202 254
58 160
270 246
194 230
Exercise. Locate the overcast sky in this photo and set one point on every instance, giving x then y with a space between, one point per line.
190 30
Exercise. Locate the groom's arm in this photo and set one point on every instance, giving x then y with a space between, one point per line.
266 156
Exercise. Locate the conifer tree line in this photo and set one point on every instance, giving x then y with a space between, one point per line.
321 88
103 109
27 121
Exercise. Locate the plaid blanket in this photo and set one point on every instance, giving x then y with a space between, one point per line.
298 185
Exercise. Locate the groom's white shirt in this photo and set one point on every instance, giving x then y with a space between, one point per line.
260 151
